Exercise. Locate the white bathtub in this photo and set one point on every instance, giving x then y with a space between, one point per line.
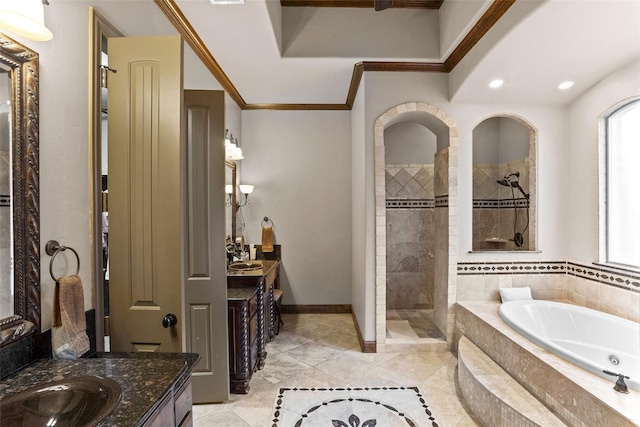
590 339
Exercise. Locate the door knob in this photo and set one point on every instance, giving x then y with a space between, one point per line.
169 320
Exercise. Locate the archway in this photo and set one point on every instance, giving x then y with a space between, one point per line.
445 202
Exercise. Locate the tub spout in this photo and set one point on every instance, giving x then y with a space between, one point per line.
620 386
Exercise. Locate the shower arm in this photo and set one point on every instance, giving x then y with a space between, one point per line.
526 196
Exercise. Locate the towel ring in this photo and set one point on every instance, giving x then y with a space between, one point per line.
267 221
53 248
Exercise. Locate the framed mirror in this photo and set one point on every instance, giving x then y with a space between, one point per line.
19 188
231 202
504 185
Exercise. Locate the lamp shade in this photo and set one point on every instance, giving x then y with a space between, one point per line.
246 189
24 18
228 188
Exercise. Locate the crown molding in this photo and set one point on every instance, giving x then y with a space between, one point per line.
497 9
180 22
369 4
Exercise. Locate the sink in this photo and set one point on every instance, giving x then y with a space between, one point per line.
244 266
73 401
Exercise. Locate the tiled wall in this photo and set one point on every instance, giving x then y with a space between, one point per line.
446 227
493 207
611 290
410 229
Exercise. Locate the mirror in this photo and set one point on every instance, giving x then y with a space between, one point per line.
231 202
19 186
504 185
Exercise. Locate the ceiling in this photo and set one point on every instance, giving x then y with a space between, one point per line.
272 55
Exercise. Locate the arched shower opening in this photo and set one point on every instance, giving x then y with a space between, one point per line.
416 146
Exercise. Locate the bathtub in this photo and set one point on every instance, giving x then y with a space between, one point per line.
590 339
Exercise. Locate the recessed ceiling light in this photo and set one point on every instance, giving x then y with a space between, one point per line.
565 85
227 1
496 83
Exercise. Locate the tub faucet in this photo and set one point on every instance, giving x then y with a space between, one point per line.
620 386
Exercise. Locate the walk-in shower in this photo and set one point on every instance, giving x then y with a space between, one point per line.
507 181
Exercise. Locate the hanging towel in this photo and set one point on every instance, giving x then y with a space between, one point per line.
69 338
267 239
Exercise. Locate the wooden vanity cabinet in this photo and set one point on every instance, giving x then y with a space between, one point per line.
174 409
251 321
243 337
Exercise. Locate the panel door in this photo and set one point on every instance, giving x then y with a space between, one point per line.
145 205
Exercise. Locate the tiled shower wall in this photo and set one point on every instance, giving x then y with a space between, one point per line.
493 207
410 207
604 288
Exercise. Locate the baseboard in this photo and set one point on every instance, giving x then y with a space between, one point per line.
316 309
365 346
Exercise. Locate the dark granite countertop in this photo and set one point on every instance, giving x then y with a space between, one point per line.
145 378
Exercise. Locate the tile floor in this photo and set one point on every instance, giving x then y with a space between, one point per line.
322 350
420 321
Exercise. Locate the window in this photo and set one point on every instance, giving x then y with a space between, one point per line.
623 188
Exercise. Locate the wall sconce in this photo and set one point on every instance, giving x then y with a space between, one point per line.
25 18
231 149
244 189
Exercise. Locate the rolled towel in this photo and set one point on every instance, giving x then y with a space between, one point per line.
69 339
514 294
267 239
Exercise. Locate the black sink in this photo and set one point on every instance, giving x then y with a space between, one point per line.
73 401
245 266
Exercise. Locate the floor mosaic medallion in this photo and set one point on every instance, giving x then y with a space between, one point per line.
352 407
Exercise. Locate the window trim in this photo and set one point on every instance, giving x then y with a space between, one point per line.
603 171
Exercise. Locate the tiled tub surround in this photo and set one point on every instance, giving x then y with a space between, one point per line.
577 397
410 229
493 207
611 290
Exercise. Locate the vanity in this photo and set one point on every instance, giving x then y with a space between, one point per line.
155 387
252 319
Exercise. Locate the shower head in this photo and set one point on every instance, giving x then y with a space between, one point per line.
506 181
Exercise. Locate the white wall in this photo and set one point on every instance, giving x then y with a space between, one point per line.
582 160
300 164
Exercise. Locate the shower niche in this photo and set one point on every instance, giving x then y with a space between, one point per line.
504 185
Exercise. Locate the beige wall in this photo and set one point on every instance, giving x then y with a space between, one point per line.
300 164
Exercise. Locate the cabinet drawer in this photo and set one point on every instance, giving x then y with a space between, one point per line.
183 402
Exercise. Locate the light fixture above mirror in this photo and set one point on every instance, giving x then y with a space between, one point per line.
24 18
232 147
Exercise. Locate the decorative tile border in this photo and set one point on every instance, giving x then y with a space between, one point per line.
607 275
530 267
500 203
5 200
442 201
410 203
617 277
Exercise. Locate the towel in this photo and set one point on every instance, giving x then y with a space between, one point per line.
514 294
267 239
69 339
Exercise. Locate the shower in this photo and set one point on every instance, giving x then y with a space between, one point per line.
518 238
